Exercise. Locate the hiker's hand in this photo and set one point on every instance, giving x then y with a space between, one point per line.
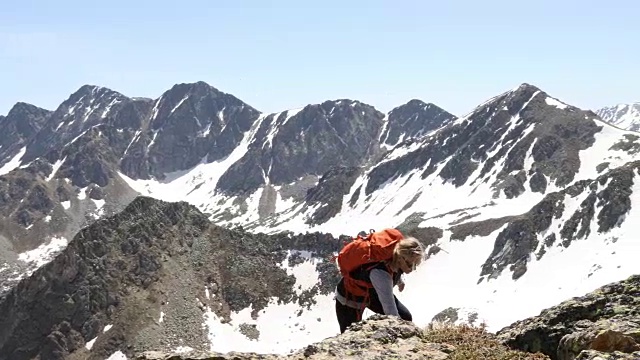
400 286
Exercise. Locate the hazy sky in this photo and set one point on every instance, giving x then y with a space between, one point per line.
277 55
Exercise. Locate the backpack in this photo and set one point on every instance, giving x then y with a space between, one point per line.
365 249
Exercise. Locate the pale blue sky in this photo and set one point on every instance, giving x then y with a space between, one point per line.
277 55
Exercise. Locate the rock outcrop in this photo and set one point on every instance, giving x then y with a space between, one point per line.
604 324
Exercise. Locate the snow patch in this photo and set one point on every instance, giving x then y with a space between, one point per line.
555 102
82 193
612 254
56 167
305 272
118 355
90 343
43 253
292 330
179 103
13 163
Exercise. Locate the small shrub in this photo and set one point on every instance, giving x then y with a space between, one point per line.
474 343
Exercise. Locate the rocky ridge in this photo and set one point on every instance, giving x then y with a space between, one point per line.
121 272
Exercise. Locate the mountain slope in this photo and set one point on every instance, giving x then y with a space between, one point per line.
624 116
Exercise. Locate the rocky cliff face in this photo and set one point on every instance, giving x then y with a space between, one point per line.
604 203
88 106
306 142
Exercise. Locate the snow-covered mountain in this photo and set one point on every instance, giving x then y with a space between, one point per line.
624 116
524 195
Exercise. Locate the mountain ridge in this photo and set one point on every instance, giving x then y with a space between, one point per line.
501 198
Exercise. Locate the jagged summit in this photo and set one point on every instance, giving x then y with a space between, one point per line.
527 86
23 112
91 93
195 86
412 120
22 107
414 103
20 125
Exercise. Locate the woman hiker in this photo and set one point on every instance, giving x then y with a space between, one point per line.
370 285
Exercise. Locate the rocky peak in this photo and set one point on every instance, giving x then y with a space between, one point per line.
25 119
87 107
88 104
21 124
153 256
414 119
188 124
197 105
